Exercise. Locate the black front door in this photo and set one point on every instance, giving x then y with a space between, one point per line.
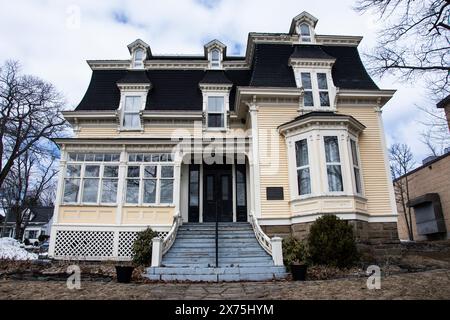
217 193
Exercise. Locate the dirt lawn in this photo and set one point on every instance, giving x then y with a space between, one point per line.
433 284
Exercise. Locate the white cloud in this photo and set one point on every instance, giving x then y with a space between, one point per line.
36 33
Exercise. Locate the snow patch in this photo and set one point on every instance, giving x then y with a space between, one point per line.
10 249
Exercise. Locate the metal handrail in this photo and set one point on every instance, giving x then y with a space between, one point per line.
171 236
262 238
217 238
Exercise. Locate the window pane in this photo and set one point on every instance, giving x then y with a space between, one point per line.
306 80
166 171
304 30
303 181
215 104
132 191
354 153
133 172
210 188
322 81
115 157
324 99
357 180
111 171
131 120
109 190
166 191
98 157
240 194
334 178
308 99
132 103
193 194
92 171
73 171
150 171
331 149
90 190
301 153
71 189
155 158
215 120
225 187
72 156
149 191
215 55
139 55
89 157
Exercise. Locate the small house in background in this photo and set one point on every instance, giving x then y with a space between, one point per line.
39 223
429 195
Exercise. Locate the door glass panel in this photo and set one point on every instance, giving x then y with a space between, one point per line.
225 187
210 188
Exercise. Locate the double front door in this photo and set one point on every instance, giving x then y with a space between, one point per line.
217 195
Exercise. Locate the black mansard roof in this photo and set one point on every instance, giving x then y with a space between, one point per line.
178 89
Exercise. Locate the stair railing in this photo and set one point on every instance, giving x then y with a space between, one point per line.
271 246
161 246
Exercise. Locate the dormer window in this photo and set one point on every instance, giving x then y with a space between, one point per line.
318 88
216 112
304 32
131 117
138 60
215 59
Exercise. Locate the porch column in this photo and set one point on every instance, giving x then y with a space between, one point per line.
253 109
121 185
177 182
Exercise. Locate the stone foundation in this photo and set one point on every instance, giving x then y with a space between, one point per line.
365 232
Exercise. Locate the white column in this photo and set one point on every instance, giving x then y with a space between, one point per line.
177 185
346 164
58 199
156 252
121 185
233 188
253 108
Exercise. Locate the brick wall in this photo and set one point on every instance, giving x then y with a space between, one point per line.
434 178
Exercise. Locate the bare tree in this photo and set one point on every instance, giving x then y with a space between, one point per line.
401 162
29 115
436 136
27 184
414 40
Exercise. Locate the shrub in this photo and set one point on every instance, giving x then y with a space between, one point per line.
142 247
294 251
331 242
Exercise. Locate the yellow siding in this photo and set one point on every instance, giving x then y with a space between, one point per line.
376 184
273 158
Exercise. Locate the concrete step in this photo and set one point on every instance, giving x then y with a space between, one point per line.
222 270
222 261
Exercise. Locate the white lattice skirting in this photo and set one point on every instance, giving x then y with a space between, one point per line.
93 243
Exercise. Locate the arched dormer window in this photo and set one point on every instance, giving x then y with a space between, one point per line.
304 32
138 59
215 59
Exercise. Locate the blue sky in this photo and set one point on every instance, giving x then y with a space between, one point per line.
53 39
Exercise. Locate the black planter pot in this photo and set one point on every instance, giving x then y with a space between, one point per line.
124 273
299 272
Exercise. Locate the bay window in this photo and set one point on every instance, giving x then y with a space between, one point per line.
333 164
91 178
302 165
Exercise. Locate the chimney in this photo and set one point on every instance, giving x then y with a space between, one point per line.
428 159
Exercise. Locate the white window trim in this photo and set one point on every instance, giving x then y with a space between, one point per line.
82 178
308 144
315 87
226 99
340 164
133 59
210 62
312 33
141 179
132 93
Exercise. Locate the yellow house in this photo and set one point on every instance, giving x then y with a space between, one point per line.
276 138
